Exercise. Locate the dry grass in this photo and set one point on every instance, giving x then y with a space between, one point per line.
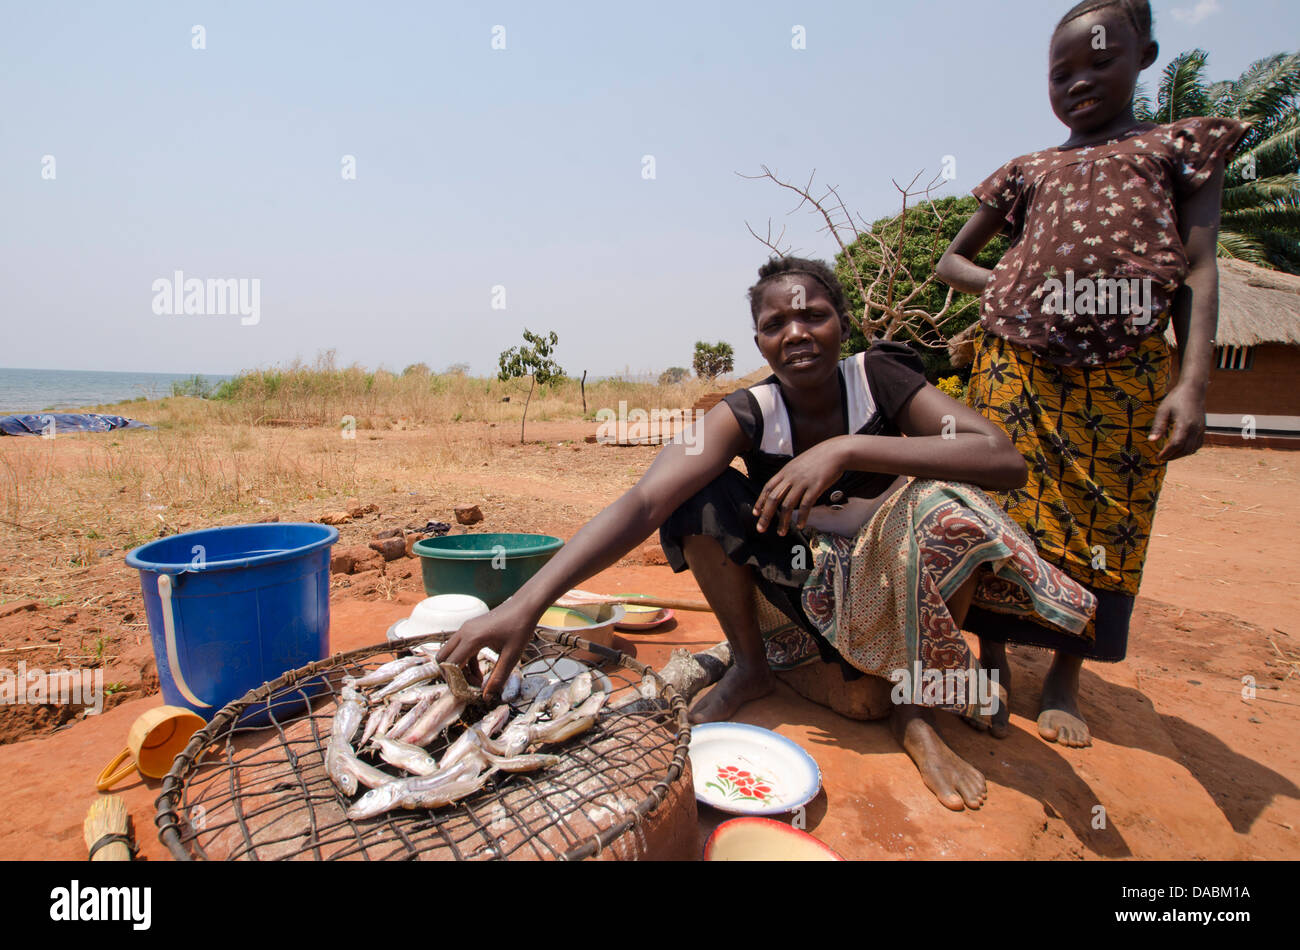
321 394
68 502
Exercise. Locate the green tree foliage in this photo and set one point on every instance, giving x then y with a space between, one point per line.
416 369
533 359
712 361
1261 188
930 228
674 374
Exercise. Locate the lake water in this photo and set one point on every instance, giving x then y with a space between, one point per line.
38 390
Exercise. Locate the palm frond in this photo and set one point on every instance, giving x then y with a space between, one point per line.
1283 250
1222 97
1283 220
1243 247
1279 154
1142 109
1182 87
1269 87
1262 192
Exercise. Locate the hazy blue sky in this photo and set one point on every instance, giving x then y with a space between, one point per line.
477 167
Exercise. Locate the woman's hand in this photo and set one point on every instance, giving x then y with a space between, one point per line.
848 519
1182 416
794 490
507 629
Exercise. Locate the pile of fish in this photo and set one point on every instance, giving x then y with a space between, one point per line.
409 703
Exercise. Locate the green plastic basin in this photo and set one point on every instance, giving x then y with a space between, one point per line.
490 567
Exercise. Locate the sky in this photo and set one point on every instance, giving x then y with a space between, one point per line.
420 182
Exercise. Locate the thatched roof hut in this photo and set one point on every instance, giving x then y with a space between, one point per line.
1256 306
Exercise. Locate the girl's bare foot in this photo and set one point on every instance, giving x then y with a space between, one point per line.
738 686
956 783
993 656
1059 718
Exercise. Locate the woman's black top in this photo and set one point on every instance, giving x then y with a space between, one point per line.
874 387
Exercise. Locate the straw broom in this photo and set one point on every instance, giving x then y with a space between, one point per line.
107 816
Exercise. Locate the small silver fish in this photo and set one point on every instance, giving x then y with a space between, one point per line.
346 770
351 695
514 685
372 723
386 672
476 737
403 725
391 794
569 725
439 716
522 763
580 688
412 676
550 733
366 774
346 719
335 768
407 757
413 694
447 793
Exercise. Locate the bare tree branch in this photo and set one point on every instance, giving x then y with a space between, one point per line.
882 314
773 244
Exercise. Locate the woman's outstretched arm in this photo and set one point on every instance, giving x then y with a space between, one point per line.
946 440
677 473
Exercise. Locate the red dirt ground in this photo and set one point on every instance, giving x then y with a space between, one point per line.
1183 765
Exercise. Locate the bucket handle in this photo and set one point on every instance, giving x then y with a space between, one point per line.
165 584
108 778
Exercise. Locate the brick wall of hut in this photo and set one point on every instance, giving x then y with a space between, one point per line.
1271 387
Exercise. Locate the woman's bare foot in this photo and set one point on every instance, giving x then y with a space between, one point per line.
956 783
738 686
1059 717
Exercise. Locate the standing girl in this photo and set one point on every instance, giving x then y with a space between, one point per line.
1113 236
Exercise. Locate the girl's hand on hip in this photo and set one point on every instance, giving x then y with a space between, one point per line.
1181 416
792 492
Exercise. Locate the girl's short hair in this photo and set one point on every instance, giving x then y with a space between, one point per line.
1137 11
778 267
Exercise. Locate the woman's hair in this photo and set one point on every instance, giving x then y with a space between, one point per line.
1137 11
778 267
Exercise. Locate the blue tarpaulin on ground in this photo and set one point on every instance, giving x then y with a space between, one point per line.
45 423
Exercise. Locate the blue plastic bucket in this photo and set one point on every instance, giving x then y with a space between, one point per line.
232 608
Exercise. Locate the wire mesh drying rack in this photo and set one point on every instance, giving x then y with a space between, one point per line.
242 793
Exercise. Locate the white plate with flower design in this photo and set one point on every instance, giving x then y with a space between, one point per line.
746 770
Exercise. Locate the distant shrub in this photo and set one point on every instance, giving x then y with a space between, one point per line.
673 375
193 386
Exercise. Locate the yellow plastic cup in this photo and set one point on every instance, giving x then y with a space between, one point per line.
155 739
